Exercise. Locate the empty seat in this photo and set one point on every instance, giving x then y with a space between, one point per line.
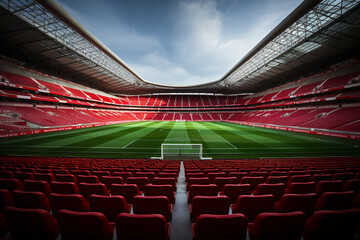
300 187
277 179
80 172
328 186
31 223
335 201
129 191
352 185
332 224
239 175
300 178
100 174
232 191
37 186
209 204
48 177
163 181
142 226
3 226
343 176
292 173
152 205
251 206
84 225
213 175
11 184
75 202
64 187
65 178
321 177
278 173
88 179
259 174
124 175
139 181
221 181
229 227
160 190
167 175
24 199
202 190
253 181
194 175
297 202
110 206
108 180
24 176
6 199
279 226
198 181
86 189
7 174
276 189
149 175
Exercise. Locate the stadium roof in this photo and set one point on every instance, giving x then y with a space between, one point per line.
315 35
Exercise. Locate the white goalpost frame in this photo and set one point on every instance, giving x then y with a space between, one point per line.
183 144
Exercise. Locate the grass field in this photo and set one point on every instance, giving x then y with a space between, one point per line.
220 140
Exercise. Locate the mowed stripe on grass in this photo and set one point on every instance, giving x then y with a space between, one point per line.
143 140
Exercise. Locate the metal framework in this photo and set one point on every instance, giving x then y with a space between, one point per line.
295 41
82 50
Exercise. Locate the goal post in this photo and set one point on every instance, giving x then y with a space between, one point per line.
182 151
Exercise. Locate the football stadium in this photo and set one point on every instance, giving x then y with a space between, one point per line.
90 148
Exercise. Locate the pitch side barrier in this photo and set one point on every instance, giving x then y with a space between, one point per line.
56 129
317 132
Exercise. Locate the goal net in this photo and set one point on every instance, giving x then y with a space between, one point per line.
178 151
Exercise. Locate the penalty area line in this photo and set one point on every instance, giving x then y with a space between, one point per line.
129 143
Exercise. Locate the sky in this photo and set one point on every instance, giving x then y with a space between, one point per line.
180 42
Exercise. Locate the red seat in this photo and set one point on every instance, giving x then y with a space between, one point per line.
149 175
65 178
300 187
332 224
7 174
251 206
328 186
87 179
110 206
202 190
141 182
124 175
335 201
37 186
11 184
84 225
142 226
80 172
232 191
321 177
6 199
75 202
31 200
100 174
163 181
108 180
48 177
253 181
239 175
213 175
24 176
343 176
198 181
279 226
86 189
278 173
208 204
152 205
31 223
263 174
300 178
296 202
276 189
229 227
64 187
352 185
160 190
277 179
167 175
129 191
3 226
221 181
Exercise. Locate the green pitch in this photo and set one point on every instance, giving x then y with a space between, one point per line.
220 140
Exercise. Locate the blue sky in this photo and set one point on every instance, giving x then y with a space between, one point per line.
180 42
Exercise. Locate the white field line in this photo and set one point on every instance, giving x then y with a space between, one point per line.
129 143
